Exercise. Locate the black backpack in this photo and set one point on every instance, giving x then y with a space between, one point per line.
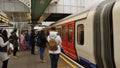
38 40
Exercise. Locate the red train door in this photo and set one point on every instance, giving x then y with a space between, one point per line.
68 41
64 38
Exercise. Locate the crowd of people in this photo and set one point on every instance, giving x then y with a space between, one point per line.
28 42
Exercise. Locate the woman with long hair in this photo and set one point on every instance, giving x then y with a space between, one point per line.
4 46
42 45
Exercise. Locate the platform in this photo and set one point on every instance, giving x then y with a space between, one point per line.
27 60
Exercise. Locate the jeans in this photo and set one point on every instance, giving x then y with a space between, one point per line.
32 48
42 50
15 51
5 63
54 60
28 44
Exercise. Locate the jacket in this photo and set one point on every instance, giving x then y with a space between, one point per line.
3 44
53 34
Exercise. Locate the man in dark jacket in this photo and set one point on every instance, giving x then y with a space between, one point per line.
27 39
42 45
14 42
32 42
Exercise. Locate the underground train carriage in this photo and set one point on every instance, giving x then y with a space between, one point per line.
92 36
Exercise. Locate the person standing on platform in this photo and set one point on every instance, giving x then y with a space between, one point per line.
36 42
4 46
22 41
15 43
32 42
54 55
27 39
41 43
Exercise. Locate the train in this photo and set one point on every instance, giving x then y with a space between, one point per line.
92 36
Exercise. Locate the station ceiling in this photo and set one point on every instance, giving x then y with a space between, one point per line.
37 9
56 16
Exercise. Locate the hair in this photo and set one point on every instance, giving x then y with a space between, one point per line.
53 28
4 33
0 31
12 32
32 30
15 30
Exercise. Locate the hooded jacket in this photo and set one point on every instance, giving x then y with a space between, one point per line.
53 34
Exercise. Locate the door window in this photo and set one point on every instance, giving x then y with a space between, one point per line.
80 34
70 33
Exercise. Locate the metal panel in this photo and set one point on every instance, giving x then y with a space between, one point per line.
37 8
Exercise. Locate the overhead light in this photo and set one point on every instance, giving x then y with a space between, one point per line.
3 17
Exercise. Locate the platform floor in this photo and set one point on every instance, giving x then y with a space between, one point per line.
27 60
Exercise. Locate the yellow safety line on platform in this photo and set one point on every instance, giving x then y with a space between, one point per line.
68 62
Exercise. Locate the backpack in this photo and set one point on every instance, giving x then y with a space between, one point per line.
38 40
53 44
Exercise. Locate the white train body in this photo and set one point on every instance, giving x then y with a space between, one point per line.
99 48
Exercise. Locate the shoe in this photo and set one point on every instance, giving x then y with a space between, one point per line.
15 57
33 53
42 61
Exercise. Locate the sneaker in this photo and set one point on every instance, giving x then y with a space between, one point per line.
15 57
42 61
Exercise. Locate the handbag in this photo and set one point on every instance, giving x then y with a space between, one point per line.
9 51
24 46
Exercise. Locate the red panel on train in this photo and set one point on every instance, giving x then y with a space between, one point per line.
68 41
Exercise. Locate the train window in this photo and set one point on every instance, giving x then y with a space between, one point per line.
80 34
64 32
70 33
59 31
